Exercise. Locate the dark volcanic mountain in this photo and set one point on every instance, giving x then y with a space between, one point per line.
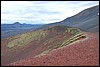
87 20
16 23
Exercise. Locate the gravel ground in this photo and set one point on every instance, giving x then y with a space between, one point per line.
84 53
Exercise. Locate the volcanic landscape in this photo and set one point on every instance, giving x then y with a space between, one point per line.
73 41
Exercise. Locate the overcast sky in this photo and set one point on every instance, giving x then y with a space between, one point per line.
41 12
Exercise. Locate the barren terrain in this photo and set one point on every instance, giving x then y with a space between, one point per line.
84 53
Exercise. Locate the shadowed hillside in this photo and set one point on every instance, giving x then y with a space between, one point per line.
87 20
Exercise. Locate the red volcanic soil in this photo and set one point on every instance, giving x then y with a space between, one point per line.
84 53
31 50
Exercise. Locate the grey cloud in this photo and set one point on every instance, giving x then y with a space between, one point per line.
7 12
52 19
41 11
88 4
75 2
48 12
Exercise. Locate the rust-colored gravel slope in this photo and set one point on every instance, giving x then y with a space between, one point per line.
85 53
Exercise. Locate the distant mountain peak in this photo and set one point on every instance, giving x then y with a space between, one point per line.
17 23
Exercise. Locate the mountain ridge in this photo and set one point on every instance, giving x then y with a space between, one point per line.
83 20
16 28
37 42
